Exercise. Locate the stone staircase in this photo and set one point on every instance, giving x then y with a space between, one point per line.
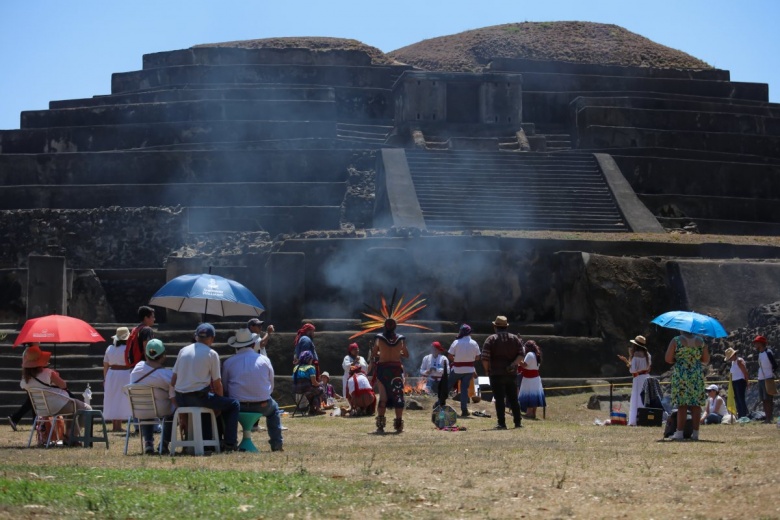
497 190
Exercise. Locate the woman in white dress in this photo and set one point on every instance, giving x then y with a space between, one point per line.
638 363
116 374
531 393
353 358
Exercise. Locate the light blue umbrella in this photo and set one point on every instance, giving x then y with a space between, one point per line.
692 322
207 294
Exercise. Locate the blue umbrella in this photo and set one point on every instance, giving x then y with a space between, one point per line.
693 322
207 294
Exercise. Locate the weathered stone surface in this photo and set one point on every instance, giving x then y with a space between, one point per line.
106 237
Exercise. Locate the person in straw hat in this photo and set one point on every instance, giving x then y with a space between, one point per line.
249 378
638 363
501 353
36 374
116 374
739 380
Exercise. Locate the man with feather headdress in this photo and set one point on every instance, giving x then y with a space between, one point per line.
387 353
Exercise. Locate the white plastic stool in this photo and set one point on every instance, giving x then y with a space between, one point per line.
194 430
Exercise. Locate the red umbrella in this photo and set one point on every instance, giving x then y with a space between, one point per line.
57 329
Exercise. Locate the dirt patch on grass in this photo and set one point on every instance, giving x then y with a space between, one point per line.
576 42
560 467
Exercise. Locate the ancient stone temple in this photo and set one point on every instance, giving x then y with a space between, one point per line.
321 172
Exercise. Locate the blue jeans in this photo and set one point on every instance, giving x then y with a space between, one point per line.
147 431
229 408
273 422
432 385
465 381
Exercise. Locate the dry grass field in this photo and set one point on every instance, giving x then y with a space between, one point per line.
561 467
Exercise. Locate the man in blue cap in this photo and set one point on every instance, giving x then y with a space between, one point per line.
198 382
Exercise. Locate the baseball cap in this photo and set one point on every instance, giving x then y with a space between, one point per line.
254 322
154 348
205 330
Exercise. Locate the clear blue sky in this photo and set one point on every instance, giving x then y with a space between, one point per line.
63 50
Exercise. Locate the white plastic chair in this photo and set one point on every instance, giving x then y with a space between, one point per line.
41 400
143 408
194 430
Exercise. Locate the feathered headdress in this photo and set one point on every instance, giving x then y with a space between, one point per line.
399 312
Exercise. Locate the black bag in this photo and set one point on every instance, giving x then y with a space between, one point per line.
649 416
671 426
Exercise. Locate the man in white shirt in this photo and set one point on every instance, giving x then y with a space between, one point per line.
196 374
463 352
249 378
255 326
432 368
151 372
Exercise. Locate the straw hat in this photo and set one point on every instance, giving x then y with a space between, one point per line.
501 322
730 353
34 357
122 333
639 341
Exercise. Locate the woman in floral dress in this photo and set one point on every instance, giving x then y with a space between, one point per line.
687 353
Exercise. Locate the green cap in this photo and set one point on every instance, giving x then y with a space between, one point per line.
154 348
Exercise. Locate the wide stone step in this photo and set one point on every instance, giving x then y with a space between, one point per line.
647 102
595 137
124 137
666 119
657 175
273 219
722 208
554 82
252 74
711 226
575 224
167 112
256 93
150 167
137 195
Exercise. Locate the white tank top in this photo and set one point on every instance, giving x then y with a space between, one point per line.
735 371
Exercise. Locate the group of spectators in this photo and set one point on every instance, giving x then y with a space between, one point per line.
688 354
511 363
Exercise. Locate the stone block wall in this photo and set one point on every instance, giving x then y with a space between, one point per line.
94 238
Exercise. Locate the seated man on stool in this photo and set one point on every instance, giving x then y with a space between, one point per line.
249 378
198 382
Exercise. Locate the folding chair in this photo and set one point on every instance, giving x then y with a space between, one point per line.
143 408
301 405
42 400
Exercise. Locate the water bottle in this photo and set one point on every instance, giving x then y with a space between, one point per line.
442 417
87 395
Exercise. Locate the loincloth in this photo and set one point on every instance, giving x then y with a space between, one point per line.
391 376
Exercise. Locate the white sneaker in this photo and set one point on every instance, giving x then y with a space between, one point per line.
678 436
695 435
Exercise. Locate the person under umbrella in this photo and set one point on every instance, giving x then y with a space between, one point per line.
687 352
36 374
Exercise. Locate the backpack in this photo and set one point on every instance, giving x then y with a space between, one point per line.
671 426
772 360
133 352
44 427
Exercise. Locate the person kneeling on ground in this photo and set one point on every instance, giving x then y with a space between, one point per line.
151 373
360 393
249 378
305 382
